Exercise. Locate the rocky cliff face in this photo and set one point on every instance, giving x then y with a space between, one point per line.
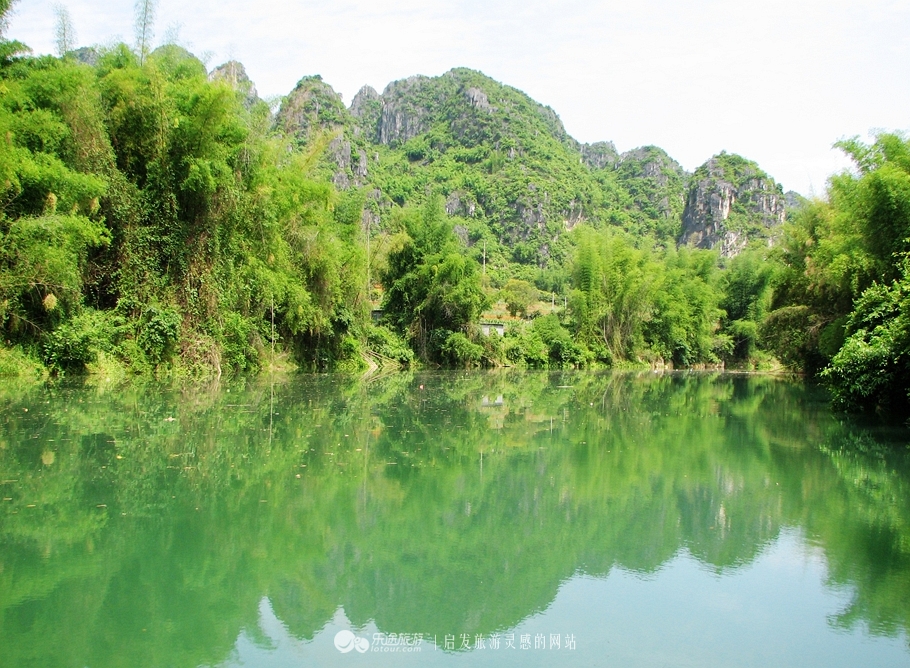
599 155
87 55
235 74
656 182
490 149
403 117
351 163
461 203
366 110
474 107
313 105
793 200
731 201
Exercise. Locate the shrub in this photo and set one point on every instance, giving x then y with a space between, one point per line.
77 342
15 362
238 334
158 333
388 344
459 351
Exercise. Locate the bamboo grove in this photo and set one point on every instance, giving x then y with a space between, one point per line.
157 220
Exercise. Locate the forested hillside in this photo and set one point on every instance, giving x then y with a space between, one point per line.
160 218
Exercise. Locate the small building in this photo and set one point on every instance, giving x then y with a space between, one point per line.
487 327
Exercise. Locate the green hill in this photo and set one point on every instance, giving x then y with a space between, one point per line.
504 164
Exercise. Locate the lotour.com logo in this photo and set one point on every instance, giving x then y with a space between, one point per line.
345 641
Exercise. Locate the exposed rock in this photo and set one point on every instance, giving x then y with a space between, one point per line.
88 55
462 233
340 150
364 101
656 182
730 202
366 108
312 106
403 115
794 201
351 165
371 219
360 167
508 162
460 203
573 215
554 124
468 110
235 74
531 213
599 155
651 162
478 99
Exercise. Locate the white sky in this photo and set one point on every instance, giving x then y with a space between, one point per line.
776 81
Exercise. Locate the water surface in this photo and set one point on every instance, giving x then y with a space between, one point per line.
499 518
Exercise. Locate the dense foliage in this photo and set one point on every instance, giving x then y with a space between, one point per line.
151 218
840 305
433 291
159 218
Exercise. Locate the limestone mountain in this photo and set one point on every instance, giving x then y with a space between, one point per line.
657 184
313 105
600 154
730 201
507 168
235 74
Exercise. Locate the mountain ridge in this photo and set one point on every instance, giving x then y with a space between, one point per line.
496 155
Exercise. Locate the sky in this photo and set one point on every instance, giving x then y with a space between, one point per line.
777 81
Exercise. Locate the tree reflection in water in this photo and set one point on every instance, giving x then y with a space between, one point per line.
145 525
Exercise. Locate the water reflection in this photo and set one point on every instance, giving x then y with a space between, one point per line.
143 526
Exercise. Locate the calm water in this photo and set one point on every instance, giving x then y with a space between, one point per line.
512 519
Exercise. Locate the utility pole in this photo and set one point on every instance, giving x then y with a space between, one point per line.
484 257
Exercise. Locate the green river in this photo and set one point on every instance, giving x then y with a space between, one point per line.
450 519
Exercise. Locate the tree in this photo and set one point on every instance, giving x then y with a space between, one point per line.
6 7
432 288
613 296
64 31
519 296
871 371
747 286
145 22
836 249
9 49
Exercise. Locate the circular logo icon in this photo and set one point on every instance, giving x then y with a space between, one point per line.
345 641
